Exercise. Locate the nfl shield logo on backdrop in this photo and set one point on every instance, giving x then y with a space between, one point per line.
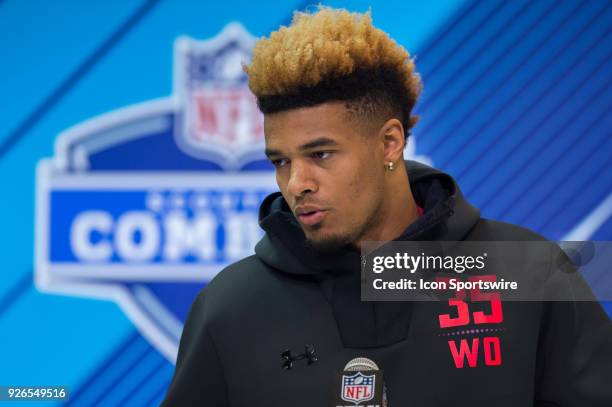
218 113
145 204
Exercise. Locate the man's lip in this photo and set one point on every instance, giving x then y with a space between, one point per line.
310 218
306 209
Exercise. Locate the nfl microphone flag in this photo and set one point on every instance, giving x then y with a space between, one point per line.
359 384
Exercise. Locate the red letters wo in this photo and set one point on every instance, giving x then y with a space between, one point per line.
492 353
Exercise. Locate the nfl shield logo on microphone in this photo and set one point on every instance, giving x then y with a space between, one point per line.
358 388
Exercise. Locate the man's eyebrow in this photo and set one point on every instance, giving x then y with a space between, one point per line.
271 152
320 142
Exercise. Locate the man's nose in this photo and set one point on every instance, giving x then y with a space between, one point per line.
301 179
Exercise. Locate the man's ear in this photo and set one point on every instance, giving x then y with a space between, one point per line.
392 134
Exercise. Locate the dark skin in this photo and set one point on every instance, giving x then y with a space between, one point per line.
331 170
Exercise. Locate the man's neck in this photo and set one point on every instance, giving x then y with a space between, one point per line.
399 210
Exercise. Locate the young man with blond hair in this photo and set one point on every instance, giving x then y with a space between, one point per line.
337 96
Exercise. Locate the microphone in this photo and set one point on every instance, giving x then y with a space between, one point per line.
361 383
361 364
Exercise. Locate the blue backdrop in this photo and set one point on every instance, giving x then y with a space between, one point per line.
517 106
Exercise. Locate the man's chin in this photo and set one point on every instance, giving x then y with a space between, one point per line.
327 244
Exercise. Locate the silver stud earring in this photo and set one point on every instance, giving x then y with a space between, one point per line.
390 166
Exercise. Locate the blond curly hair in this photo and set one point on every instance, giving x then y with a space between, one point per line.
334 54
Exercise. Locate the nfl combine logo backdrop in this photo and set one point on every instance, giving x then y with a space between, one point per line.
144 205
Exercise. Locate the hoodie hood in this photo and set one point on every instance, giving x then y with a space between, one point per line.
447 217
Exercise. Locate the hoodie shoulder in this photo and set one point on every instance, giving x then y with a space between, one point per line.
487 229
238 275
235 288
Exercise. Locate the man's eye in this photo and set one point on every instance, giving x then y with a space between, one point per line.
281 162
321 155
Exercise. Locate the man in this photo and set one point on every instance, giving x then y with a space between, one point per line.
337 96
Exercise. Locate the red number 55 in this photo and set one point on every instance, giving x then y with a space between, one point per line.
463 313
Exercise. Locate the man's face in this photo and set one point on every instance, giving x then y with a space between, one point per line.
329 170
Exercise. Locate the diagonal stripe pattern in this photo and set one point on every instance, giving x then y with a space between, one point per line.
517 106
